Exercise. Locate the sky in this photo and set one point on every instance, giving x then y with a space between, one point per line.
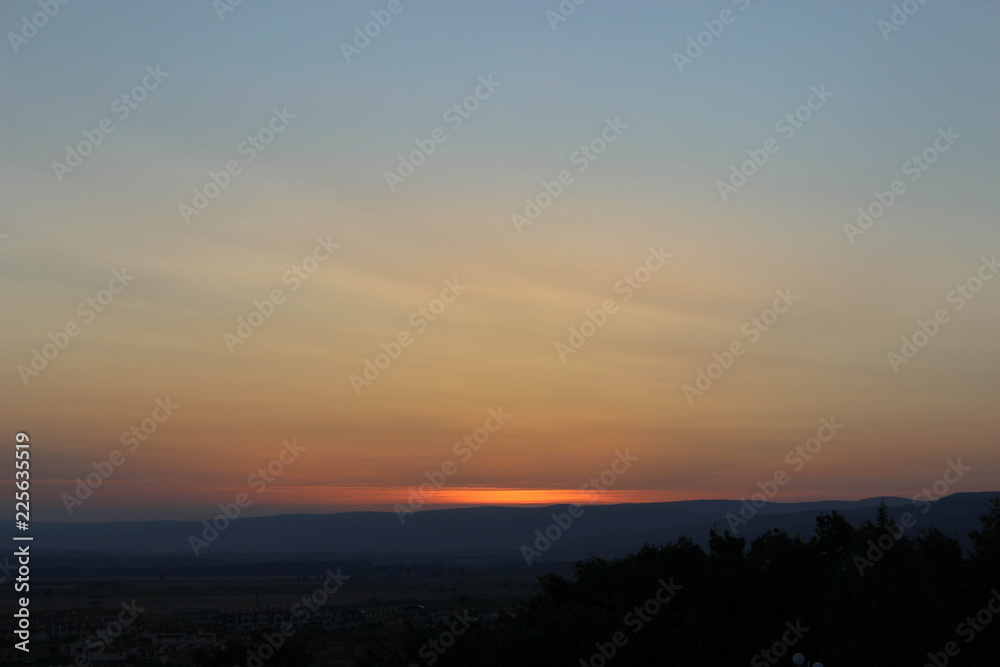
677 183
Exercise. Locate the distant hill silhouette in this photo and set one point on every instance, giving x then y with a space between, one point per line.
602 530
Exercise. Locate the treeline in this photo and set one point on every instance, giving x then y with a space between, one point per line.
880 594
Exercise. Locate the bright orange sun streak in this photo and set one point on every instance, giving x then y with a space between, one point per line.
188 493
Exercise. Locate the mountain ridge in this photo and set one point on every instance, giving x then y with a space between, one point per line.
598 530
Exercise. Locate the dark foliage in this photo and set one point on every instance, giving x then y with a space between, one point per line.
880 594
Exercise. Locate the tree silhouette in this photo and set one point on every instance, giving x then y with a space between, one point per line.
879 594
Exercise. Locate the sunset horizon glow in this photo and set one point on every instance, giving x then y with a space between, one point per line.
510 253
